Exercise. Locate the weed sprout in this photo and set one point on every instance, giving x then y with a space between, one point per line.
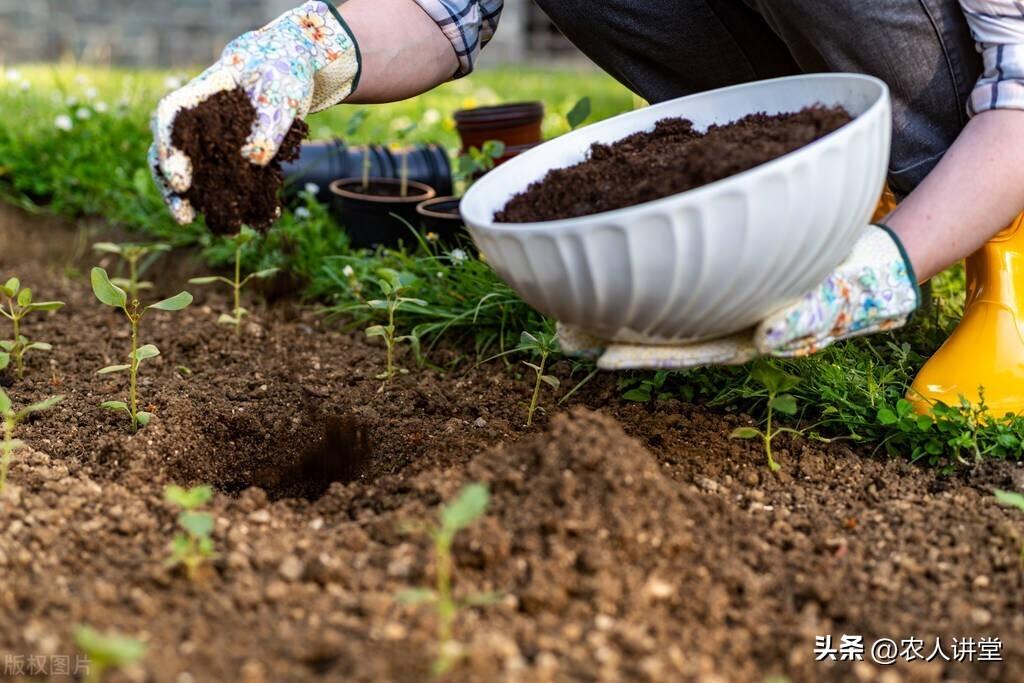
470 505
139 258
239 241
542 345
11 418
112 295
19 305
774 387
194 546
393 285
106 651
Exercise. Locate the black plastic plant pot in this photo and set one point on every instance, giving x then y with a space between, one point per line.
378 215
324 161
441 217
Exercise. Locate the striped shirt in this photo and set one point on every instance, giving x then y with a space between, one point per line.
997 27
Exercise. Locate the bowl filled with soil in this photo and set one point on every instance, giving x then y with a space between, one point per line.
692 219
379 213
441 216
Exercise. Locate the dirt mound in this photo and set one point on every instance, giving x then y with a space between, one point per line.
229 190
672 158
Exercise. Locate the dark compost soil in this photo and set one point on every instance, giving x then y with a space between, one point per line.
229 190
630 542
672 158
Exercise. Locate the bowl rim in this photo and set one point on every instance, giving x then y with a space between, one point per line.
561 225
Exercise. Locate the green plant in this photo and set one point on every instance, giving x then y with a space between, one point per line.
138 257
112 295
245 236
393 285
19 305
774 387
540 345
106 651
579 113
11 418
402 136
351 130
1013 499
477 161
470 506
194 546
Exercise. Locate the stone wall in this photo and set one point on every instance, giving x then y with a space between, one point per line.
174 32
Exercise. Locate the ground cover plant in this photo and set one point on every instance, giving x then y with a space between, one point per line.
111 295
19 304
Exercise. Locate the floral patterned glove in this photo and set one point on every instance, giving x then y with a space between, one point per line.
874 290
304 61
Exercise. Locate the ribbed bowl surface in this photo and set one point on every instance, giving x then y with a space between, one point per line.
705 263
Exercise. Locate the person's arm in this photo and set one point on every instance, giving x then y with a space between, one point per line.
978 187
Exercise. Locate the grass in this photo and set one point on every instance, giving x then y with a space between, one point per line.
73 142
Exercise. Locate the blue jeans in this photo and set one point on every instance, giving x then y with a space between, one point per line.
662 49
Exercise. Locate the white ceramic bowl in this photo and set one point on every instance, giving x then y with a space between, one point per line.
705 263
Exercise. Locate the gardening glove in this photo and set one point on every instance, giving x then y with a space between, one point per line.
873 290
304 61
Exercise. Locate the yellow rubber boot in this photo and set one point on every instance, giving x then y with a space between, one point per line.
987 347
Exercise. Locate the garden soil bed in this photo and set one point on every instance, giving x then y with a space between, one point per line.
672 158
630 542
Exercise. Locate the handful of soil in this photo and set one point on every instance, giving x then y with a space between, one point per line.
672 158
227 188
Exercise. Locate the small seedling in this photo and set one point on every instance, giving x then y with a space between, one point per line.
774 387
19 305
393 286
353 126
239 241
477 161
112 295
579 113
542 345
194 546
139 258
11 418
107 651
402 137
456 516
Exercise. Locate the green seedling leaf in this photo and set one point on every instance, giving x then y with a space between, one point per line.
25 297
113 368
198 524
1011 498
467 508
107 248
407 300
188 499
744 433
494 149
773 379
106 291
5 359
482 599
579 113
107 650
7 345
39 346
143 418
175 303
550 381
416 596
886 417
376 331
146 352
785 404
209 280
5 402
115 405
39 407
264 274
11 287
46 306
227 319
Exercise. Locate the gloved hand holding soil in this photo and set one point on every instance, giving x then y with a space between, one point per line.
220 140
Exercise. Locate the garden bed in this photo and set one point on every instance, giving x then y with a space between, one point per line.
628 541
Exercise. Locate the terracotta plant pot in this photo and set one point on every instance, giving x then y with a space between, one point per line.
324 161
441 216
369 215
517 125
